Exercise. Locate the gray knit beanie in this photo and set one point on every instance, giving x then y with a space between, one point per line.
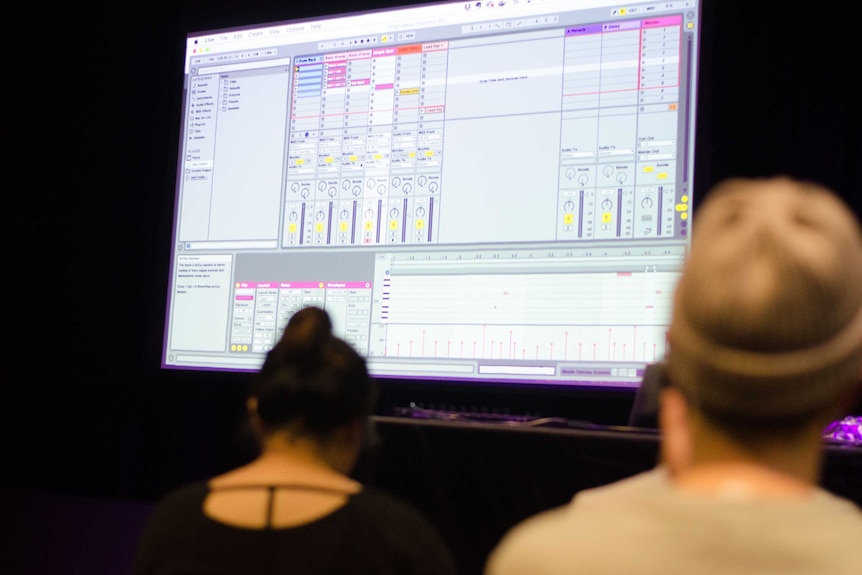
767 317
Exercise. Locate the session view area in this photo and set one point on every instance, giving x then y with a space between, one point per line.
474 191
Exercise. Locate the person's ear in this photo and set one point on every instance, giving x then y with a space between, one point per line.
353 434
675 426
254 416
345 447
853 405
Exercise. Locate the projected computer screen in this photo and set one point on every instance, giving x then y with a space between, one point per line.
483 191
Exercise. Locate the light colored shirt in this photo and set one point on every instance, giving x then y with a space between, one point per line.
644 524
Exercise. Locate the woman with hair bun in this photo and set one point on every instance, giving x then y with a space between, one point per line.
294 509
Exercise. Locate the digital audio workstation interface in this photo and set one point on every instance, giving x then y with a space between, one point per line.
477 191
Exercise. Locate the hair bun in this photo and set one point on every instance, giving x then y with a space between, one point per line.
305 335
312 380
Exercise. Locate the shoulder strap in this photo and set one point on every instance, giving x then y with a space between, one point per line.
271 489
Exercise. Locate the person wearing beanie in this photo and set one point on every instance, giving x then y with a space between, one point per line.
765 349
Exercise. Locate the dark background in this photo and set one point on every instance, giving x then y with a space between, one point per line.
93 103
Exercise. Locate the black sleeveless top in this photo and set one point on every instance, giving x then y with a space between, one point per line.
373 534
